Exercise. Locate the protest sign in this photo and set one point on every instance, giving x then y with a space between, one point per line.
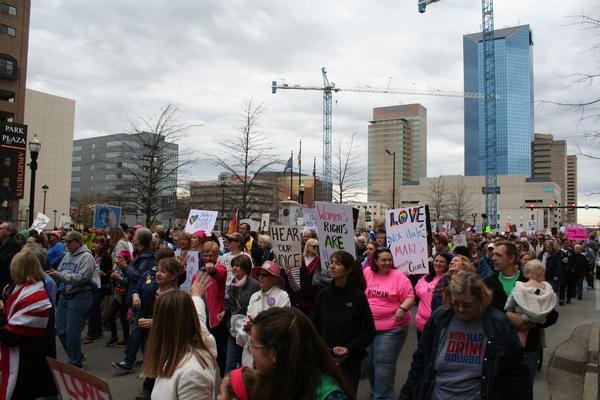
309 218
532 225
40 222
335 227
459 240
264 222
407 238
190 261
287 246
106 216
75 384
201 220
254 225
65 221
361 222
576 233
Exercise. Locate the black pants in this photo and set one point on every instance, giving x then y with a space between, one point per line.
567 286
118 308
351 369
221 335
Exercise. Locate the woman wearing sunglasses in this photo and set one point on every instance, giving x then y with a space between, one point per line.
468 349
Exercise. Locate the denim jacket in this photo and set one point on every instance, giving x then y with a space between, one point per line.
504 372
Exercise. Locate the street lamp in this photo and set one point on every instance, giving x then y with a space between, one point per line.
393 154
34 150
301 191
222 205
55 211
474 215
45 189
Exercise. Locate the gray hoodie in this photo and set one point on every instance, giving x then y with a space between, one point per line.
76 270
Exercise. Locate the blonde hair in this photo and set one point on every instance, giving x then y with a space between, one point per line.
465 262
175 334
26 267
310 242
534 269
469 283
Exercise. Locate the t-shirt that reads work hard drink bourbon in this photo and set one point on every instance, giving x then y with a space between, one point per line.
459 360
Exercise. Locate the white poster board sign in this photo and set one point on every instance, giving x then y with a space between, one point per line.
287 246
190 260
532 225
459 240
335 227
74 383
406 230
309 218
254 225
40 222
201 220
65 222
264 222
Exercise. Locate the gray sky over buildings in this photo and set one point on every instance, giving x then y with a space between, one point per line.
121 60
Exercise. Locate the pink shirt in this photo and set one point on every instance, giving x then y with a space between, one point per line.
424 291
385 294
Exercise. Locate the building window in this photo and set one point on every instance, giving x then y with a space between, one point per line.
9 30
74 189
76 169
76 158
7 161
8 9
76 179
77 148
6 182
8 66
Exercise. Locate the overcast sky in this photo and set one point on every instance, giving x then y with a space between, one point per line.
120 60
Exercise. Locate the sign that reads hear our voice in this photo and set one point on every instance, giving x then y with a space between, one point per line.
406 230
287 246
335 228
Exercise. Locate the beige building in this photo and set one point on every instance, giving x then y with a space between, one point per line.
571 217
396 133
516 193
52 119
549 160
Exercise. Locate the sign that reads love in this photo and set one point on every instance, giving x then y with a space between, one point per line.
76 384
406 230
201 220
287 246
335 228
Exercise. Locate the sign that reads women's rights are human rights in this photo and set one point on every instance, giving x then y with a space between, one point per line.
407 231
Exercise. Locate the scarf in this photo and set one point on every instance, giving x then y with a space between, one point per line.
27 312
238 283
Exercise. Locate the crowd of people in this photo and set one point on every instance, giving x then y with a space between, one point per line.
196 310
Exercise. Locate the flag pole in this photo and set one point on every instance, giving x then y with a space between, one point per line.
299 169
291 174
314 179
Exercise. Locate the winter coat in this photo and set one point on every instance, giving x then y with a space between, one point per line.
76 270
142 264
7 252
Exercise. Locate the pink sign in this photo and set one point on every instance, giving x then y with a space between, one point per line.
576 233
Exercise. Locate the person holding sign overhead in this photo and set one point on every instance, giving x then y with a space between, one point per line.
390 295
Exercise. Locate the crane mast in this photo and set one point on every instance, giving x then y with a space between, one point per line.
326 189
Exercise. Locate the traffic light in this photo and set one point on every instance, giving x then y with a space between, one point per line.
551 206
531 206
573 205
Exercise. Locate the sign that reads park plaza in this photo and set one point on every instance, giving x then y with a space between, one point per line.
13 148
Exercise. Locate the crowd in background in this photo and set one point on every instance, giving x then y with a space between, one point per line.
195 309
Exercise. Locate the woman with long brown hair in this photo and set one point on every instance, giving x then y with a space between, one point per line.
180 352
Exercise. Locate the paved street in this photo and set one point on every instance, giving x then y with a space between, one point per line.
125 387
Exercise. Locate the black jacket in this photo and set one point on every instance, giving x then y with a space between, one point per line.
7 252
499 298
552 266
504 372
343 317
239 298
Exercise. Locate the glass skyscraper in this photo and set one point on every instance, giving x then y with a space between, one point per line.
514 109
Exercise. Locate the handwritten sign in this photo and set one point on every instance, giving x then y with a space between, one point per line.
287 246
40 222
532 225
406 230
264 222
200 220
459 240
335 227
106 216
76 384
191 267
309 218
254 225
65 221
576 233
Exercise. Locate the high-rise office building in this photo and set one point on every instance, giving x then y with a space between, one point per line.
549 160
396 133
514 108
571 217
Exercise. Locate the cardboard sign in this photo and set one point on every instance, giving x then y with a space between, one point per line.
579 234
191 267
107 216
335 227
459 240
40 222
264 222
287 245
406 230
309 218
65 222
361 222
200 220
76 384
254 225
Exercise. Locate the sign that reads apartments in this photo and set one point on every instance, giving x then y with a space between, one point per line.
14 147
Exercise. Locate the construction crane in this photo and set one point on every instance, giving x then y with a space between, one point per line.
328 89
489 108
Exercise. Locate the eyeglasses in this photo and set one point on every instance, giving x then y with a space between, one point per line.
256 346
263 274
314 247
463 305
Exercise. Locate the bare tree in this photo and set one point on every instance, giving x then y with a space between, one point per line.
438 196
460 205
347 174
245 157
148 164
82 212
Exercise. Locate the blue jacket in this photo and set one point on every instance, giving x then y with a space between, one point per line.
55 255
142 263
504 372
146 288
